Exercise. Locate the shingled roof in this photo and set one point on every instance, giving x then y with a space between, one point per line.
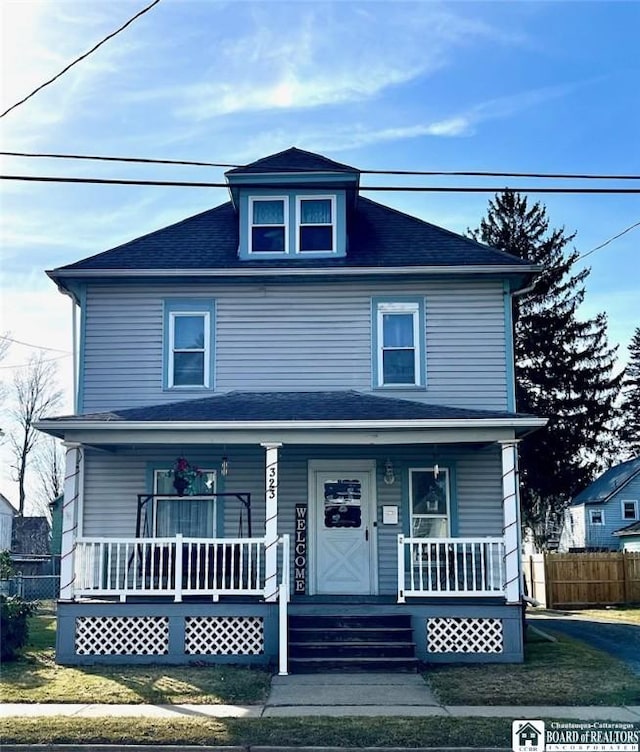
290 406
379 236
293 160
608 483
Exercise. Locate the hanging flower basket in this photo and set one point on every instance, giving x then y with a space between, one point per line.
185 476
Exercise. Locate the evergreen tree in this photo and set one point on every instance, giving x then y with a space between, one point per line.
563 366
630 407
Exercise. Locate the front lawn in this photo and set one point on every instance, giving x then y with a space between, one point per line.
35 677
566 672
279 732
617 613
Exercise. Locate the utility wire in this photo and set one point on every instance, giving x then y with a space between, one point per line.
37 347
434 173
142 160
606 242
47 360
82 57
408 189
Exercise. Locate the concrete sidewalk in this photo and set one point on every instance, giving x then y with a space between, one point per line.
332 695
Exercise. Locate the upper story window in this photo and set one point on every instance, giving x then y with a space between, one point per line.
316 230
268 219
596 516
630 509
399 337
188 344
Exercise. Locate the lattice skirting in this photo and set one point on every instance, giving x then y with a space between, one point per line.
464 635
122 635
224 635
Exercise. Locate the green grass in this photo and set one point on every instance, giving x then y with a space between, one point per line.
566 672
35 677
322 731
618 613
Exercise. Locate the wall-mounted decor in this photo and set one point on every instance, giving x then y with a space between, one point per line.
300 551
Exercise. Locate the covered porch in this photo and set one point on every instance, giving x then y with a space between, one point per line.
407 513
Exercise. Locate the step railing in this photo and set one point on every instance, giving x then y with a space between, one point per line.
450 567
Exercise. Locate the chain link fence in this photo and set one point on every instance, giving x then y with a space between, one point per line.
32 587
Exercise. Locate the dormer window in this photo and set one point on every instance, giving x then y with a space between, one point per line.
316 224
268 231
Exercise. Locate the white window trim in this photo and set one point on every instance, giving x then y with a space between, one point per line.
285 215
399 308
591 522
635 509
333 223
175 497
447 488
173 315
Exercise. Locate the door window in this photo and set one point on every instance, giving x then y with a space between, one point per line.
342 503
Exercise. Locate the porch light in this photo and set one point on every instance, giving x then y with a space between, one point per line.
389 477
224 466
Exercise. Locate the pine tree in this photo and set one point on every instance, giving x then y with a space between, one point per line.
630 407
563 366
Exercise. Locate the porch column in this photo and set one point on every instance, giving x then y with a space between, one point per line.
70 508
511 517
271 522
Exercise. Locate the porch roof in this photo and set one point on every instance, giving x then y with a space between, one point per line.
297 410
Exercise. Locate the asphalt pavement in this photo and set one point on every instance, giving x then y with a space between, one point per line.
622 641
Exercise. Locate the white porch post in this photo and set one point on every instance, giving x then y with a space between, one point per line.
70 506
271 522
511 516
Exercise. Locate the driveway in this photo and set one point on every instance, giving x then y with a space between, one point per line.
620 640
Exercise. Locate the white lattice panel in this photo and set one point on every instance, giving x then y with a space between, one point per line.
224 635
464 635
122 635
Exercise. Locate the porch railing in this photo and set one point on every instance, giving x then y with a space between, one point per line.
178 566
450 567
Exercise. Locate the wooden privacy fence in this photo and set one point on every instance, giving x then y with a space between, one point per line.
583 579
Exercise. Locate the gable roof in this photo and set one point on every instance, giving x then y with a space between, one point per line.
632 529
609 483
293 160
379 238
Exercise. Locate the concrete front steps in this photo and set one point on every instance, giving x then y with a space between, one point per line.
377 642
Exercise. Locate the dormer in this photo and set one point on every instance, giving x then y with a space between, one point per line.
293 204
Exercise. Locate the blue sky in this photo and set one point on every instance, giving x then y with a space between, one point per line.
502 86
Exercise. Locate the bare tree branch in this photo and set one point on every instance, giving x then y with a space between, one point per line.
35 394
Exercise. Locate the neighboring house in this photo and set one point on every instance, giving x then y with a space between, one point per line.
341 374
629 537
31 545
605 506
7 514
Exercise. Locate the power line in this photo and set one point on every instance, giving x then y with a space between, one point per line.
44 360
37 347
431 173
82 57
606 242
142 160
408 189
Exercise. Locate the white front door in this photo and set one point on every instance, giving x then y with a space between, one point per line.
344 536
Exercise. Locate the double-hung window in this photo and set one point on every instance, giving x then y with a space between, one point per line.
399 358
268 225
629 509
188 344
193 516
429 497
596 517
316 224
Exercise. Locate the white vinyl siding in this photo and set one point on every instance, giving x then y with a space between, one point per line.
299 336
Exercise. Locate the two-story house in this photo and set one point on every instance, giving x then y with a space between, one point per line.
295 436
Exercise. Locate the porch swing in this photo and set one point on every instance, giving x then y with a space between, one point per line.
206 565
